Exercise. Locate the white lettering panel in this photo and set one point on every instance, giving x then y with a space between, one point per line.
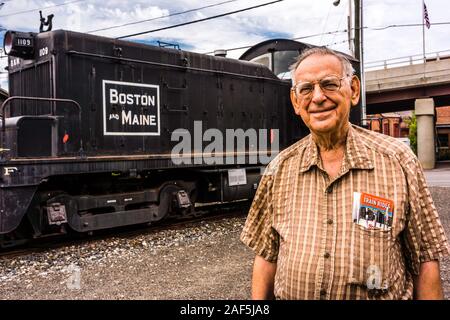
237 177
130 109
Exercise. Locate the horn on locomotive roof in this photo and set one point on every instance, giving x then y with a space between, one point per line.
48 23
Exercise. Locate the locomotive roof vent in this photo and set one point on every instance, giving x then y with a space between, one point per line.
19 44
220 53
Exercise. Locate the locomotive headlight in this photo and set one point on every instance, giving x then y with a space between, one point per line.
19 44
7 42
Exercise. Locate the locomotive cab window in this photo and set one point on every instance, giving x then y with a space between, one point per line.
282 60
265 59
278 62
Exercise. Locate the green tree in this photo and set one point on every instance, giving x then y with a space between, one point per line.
412 124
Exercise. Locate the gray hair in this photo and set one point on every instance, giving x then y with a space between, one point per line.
323 51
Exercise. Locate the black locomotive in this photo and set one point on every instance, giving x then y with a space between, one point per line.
92 133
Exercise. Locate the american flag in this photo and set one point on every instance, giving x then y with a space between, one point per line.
425 16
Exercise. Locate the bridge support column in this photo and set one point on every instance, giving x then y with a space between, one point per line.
424 109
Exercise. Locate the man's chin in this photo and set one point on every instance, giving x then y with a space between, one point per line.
323 128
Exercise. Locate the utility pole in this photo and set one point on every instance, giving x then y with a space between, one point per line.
357 40
351 43
359 53
358 48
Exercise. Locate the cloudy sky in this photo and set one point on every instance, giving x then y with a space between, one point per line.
315 21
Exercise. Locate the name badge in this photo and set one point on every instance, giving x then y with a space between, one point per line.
372 212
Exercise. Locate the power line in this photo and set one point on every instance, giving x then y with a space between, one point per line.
163 16
340 31
340 22
200 20
297 38
318 34
325 24
337 42
37 9
406 25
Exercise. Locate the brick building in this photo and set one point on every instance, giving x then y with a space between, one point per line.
395 124
443 132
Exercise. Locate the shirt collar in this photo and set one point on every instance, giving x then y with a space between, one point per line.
310 156
356 153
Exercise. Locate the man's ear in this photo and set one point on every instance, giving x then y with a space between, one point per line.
295 103
356 87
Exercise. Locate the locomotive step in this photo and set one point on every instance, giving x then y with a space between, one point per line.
114 219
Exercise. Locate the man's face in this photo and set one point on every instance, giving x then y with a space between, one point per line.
325 111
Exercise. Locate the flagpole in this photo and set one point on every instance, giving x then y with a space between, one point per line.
423 31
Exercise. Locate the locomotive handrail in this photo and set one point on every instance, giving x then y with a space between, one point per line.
96 55
7 101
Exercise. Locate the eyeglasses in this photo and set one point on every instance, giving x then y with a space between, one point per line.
330 83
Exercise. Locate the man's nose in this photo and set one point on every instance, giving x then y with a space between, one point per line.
317 94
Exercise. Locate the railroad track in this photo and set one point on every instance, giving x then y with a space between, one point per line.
212 213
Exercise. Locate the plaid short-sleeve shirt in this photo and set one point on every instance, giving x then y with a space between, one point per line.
306 222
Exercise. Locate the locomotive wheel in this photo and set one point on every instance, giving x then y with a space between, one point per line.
168 202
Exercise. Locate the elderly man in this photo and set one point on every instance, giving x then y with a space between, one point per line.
304 223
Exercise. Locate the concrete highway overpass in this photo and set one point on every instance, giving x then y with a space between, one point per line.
396 88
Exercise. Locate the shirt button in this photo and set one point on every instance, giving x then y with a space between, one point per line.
326 255
329 189
330 221
323 293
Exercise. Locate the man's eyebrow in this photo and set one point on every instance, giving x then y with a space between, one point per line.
317 78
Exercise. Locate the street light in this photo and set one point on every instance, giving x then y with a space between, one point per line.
351 46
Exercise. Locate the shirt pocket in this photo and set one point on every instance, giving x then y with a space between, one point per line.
370 258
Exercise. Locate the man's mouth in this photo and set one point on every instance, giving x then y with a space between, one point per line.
322 110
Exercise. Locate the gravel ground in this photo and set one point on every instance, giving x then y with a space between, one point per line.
441 197
189 263
202 261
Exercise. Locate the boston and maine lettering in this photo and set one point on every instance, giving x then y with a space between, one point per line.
138 119
130 109
131 99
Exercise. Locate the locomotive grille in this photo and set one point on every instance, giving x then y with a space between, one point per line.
34 81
